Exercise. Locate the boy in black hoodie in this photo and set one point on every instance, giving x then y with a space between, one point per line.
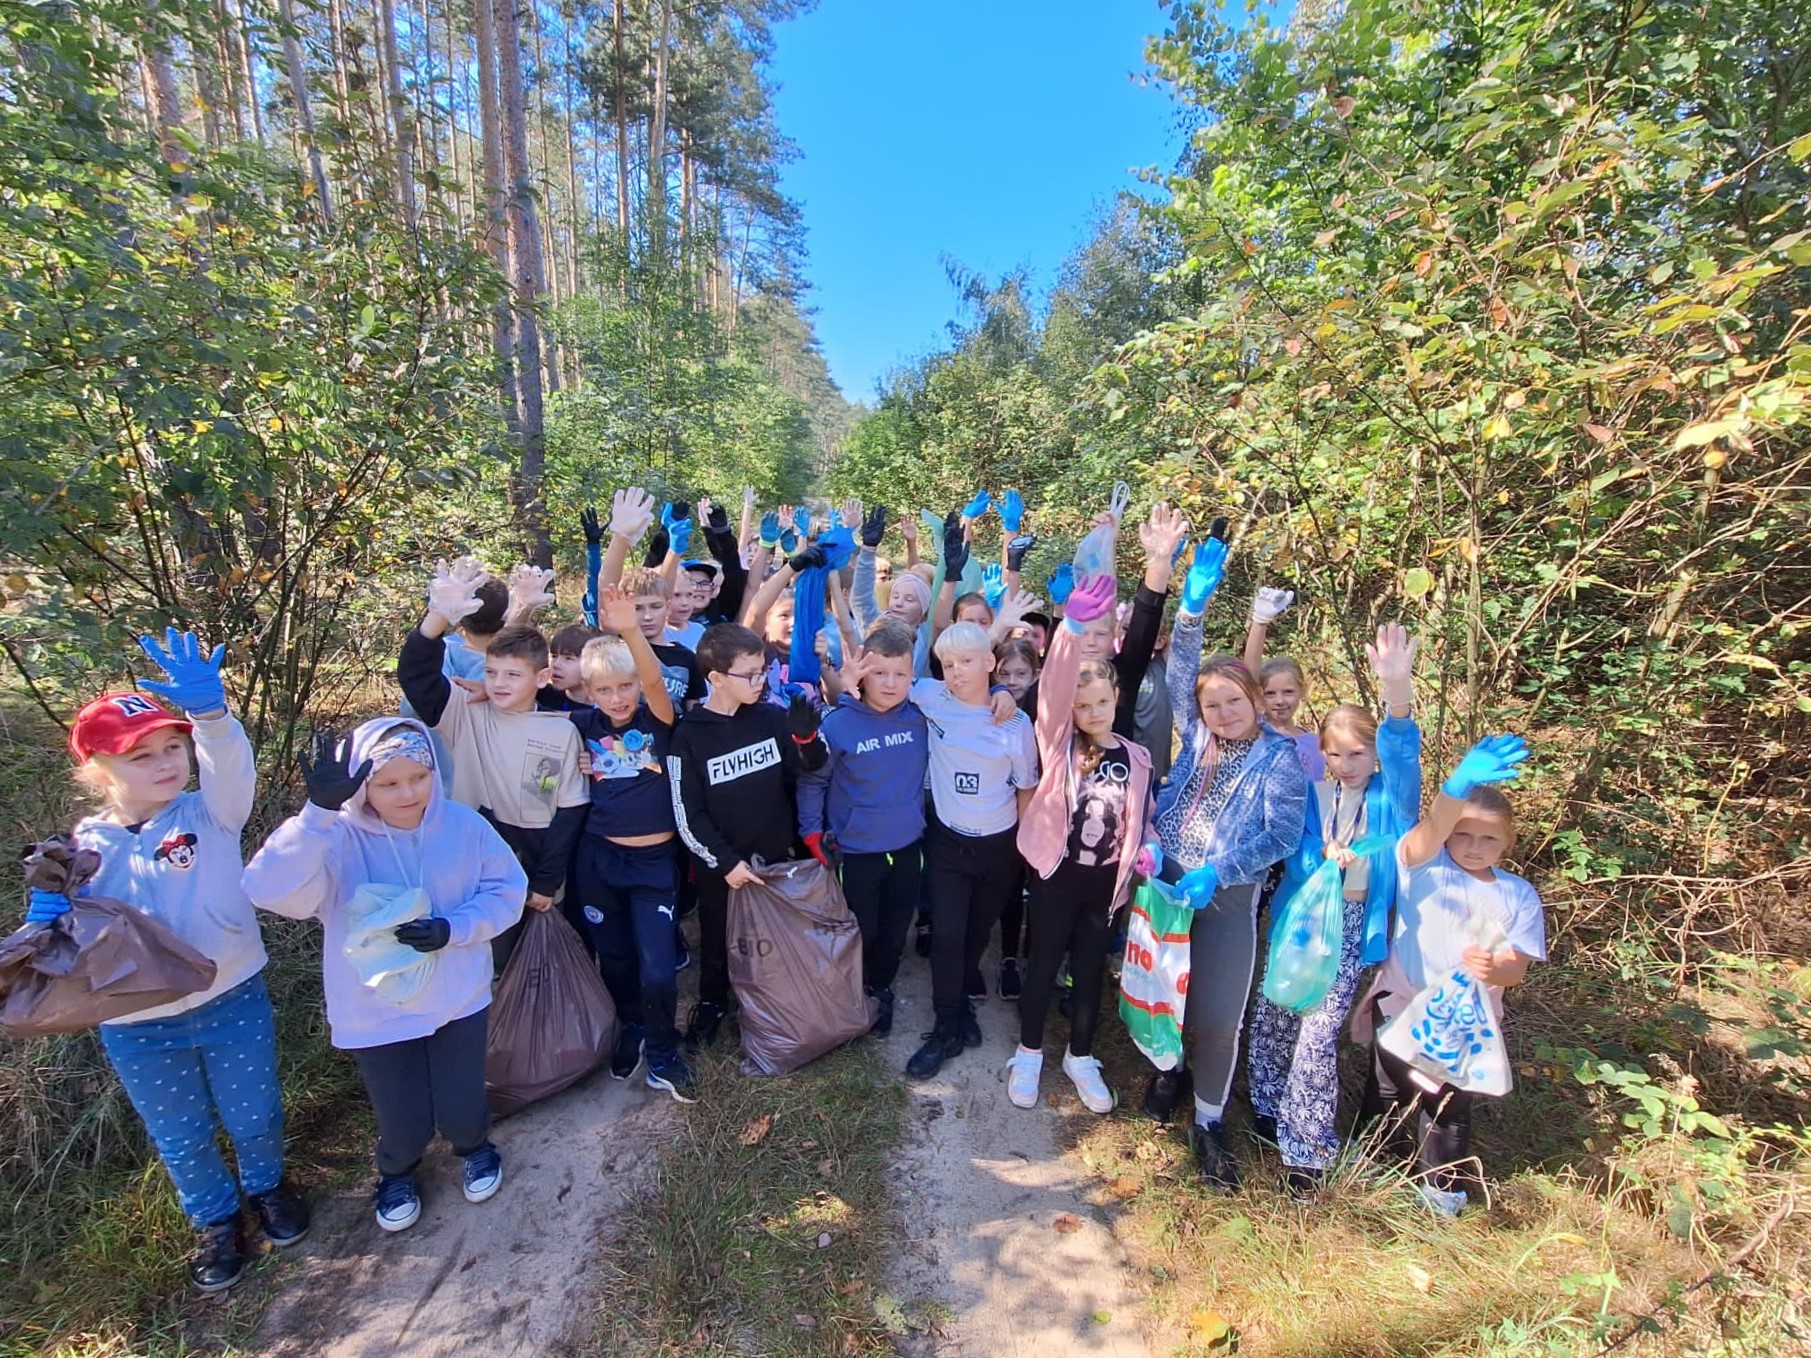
733 765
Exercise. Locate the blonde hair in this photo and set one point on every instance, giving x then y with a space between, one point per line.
1352 720
1230 667
1282 664
1490 801
962 636
641 581
606 658
96 779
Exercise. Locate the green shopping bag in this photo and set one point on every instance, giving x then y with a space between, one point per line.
1153 981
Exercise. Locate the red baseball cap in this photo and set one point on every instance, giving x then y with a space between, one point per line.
114 722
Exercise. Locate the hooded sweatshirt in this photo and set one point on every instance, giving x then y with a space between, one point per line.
733 780
182 866
313 862
870 792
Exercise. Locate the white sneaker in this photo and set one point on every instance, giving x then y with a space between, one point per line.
1085 1072
1023 1072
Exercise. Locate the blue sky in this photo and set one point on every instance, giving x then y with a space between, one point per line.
988 131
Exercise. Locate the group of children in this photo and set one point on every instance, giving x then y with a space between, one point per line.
952 754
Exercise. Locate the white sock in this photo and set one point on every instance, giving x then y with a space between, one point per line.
1207 1114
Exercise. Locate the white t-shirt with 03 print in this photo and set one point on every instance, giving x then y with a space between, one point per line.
977 765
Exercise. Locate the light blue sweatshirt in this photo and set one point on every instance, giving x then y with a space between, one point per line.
182 866
314 861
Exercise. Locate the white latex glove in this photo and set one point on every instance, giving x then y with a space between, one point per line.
1270 604
631 511
454 591
530 588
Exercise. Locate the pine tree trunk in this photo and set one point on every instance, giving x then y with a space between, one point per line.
239 36
402 126
528 283
622 128
496 231
655 205
298 86
166 105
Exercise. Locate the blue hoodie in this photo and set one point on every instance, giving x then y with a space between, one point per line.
870 794
314 861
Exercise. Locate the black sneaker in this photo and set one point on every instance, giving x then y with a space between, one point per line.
1010 985
1264 1128
1167 1089
968 1027
627 1058
1303 1183
883 1011
929 1058
705 1023
220 1259
1219 1171
976 988
673 1076
923 943
283 1215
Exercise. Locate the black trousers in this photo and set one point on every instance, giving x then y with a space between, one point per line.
882 891
713 938
424 1083
970 878
1434 1127
1070 913
1013 942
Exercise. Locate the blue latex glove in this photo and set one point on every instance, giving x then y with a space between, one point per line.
978 506
679 535
993 584
789 542
1492 760
1197 888
801 520
1062 584
770 530
836 518
194 680
46 906
1204 576
1012 510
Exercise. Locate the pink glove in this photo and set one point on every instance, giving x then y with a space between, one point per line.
1149 861
1092 598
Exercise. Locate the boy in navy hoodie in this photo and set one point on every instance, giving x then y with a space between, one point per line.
866 805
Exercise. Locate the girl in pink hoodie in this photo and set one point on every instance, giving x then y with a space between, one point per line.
1081 835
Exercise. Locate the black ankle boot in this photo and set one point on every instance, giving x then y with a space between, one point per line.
883 1011
1166 1089
939 1047
220 1259
1219 1171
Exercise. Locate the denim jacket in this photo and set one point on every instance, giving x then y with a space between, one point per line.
1261 823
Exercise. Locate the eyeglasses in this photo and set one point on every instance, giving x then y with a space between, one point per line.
758 677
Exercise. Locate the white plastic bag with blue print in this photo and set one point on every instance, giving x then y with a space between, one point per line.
1450 1033
392 969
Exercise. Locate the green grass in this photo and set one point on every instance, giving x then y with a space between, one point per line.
766 1222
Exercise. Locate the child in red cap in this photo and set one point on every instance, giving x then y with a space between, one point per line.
208 1060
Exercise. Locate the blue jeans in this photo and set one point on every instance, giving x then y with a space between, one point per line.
627 896
190 1075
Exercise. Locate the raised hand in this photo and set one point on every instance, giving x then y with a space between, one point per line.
631 511
1093 598
908 527
873 524
1269 604
616 611
993 584
1061 584
955 546
1494 759
748 497
1018 549
594 531
676 518
977 506
851 511
453 593
770 530
1161 533
1012 511
812 555
1393 662
801 719
1196 889
718 518
530 587
801 520
329 776
1204 576
1012 608
194 679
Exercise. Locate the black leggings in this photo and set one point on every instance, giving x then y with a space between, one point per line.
1071 912
1013 942
1439 1135
428 1082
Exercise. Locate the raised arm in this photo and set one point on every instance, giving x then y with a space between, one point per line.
223 756
1495 759
618 612
631 511
1267 605
594 562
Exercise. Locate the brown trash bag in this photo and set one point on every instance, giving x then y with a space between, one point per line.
102 960
552 1022
795 963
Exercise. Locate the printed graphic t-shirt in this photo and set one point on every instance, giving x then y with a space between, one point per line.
520 766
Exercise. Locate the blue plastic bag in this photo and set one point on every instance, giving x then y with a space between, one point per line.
1305 939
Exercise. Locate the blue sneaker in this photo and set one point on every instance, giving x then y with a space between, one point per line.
674 1076
483 1173
398 1204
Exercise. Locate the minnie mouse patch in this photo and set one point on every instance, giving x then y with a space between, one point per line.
178 851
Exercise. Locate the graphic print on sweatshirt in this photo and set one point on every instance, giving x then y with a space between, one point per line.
541 776
178 850
726 768
623 756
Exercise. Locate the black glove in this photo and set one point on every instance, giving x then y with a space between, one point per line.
329 776
1217 529
425 935
1018 549
806 559
658 542
874 526
719 519
594 531
801 719
955 549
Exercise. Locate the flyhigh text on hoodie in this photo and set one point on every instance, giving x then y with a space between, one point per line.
733 779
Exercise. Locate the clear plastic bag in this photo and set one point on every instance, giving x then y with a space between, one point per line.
1306 937
394 970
